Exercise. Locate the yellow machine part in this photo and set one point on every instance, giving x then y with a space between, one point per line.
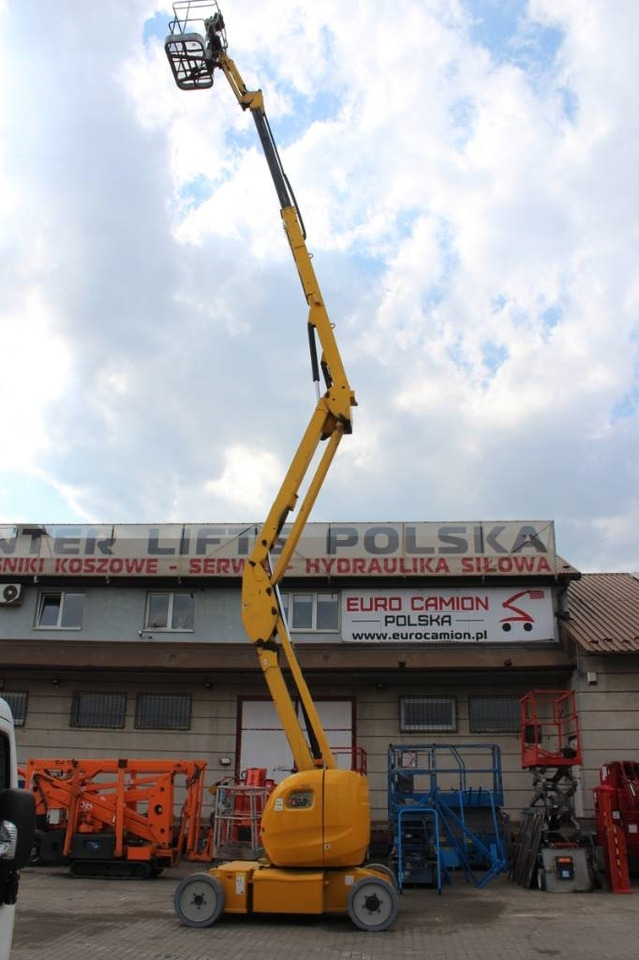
236 879
253 887
294 891
317 819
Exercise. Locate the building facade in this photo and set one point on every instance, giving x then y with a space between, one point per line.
127 641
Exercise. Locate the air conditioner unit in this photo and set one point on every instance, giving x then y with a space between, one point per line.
10 594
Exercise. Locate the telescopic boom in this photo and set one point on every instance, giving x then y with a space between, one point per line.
195 55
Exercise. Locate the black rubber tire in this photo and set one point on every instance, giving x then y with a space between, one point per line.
373 904
199 900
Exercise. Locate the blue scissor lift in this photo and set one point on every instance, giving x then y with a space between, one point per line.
444 810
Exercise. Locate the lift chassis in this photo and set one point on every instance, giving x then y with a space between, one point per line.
316 825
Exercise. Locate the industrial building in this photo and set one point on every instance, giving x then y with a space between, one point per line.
121 640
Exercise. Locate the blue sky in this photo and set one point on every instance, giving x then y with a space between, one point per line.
465 171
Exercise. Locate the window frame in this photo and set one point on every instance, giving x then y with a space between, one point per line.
169 628
187 698
426 726
511 724
288 600
119 704
19 719
62 596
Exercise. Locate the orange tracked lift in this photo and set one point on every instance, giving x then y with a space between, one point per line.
116 818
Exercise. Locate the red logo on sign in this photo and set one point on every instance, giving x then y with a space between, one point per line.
519 615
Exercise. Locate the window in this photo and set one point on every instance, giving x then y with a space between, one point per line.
170 611
60 610
312 611
160 711
98 710
18 705
427 713
493 714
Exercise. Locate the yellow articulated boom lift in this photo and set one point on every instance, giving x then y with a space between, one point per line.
316 825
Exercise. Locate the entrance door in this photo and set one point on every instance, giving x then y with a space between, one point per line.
263 743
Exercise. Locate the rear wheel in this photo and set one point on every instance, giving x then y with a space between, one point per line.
372 905
199 900
383 869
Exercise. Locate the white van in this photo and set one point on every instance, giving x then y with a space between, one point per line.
17 828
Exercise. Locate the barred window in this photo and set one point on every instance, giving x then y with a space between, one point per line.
17 704
170 611
427 714
98 710
493 714
162 711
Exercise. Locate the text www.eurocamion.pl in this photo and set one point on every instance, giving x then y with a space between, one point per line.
417 635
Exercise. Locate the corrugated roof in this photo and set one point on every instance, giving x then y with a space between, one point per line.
563 568
604 612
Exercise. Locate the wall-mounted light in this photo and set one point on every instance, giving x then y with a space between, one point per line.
55 681
208 685
225 761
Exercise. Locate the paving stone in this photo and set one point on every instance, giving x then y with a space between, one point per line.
62 918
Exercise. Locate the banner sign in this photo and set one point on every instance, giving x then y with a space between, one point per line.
463 615
325 550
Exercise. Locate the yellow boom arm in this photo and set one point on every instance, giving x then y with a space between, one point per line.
193 59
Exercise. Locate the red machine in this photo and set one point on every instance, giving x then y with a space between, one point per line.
623 777
550 729
552 851
617 818
116 818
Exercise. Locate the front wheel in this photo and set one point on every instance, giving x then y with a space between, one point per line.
372 905
199 900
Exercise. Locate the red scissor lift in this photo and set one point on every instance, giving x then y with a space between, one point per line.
550 730
552 849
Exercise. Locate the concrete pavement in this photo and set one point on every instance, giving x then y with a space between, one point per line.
62 918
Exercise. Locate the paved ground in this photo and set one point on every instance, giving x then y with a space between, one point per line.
60 918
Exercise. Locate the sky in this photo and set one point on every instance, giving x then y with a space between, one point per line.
466 173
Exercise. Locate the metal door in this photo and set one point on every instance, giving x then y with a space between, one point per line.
263 743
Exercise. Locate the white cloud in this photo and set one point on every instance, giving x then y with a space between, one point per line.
35 368
248 481
470 202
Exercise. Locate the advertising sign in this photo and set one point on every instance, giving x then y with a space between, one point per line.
463 615
357 550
